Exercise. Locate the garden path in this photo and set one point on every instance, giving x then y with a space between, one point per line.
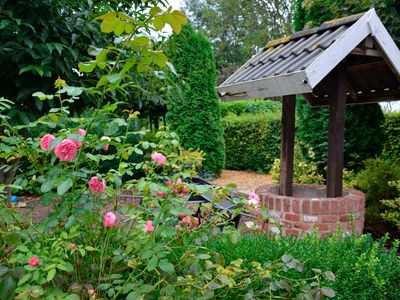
246 181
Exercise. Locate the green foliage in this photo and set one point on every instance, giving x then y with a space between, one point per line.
303 171
364 269
363 133
249 106
196 116
391 127
375 177
252 141
237 28
392 207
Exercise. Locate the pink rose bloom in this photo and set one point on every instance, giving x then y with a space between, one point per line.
179 181
77 144
72 246
191 221
149 226
45 141
161 194
184 189
169 183
109 220
34 261
81 131
181 214
254 199
91 291
176 191
103 138
97 186
66 151
159 158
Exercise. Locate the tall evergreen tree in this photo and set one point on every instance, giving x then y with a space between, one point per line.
196 116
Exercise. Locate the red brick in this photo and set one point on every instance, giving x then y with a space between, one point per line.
344 218
270 203
294 231
306 206
324 234
322 227
302 225
316 207
334 207
342 206
292 217
325 207
296 206
286 204
350 205
278 204
329 219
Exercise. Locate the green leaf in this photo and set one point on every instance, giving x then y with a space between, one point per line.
159 22
154 10
7 288
64 186
119 29
87 67
72 297
24 278
4 23
166 266
51 274
328 292
160 58
152 263
109 24
330 275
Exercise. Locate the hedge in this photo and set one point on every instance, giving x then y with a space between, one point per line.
252 141
391 127
250 106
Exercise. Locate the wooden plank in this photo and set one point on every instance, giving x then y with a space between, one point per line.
366 52
337 106
332 56
288 84
366 66
385 42
287 144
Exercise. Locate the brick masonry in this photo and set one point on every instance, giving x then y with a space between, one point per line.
299 216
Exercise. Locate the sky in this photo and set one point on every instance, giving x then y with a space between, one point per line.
175 3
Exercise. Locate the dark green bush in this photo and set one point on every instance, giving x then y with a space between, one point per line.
391 127
363 133
196 116
364 269
252 141
249 106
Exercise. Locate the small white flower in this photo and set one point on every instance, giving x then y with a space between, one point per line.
249 224
275 230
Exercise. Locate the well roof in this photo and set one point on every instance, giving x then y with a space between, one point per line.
302 64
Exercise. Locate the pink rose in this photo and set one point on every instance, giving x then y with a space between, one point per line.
91 291
149 226
104 138
81 131
161 194
66 151
254 199
72 246
34 261
159 158
169 183
45 141
77 144
181 214
179 181
97 186
109 220
191 221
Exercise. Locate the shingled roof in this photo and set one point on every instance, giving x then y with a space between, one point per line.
302 64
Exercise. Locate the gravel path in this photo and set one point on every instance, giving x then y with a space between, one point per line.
246 181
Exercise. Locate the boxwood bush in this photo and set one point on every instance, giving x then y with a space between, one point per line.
252 141
250 106
391 127
364 269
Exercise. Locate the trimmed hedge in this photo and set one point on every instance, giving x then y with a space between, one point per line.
391 127
250 106
364 269
252 141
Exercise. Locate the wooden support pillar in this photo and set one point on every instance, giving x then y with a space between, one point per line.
287 144
337 104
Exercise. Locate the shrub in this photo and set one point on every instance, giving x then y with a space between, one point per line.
252 141
363 133
250 106
392 207
196 116
303 170
364 269
391 127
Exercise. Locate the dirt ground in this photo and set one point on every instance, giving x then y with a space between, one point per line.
246 181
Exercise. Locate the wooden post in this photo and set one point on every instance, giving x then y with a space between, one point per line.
287 144
337 104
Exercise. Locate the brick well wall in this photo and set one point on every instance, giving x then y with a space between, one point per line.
300 215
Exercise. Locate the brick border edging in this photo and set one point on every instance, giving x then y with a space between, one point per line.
299 216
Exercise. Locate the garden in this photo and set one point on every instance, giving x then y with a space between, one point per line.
111 131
